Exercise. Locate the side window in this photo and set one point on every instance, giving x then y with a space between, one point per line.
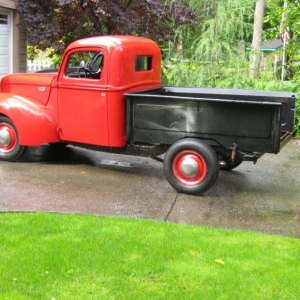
85 64
143 63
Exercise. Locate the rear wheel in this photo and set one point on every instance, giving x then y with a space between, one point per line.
10 149
191 166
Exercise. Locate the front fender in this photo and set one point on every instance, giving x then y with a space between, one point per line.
34 123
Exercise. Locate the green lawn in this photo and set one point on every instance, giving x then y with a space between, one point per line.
56 256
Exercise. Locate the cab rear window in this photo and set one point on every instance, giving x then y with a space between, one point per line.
143 63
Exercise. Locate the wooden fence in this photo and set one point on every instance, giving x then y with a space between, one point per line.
38 65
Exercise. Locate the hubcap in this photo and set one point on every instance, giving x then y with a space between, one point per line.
189 167
8 138
5 138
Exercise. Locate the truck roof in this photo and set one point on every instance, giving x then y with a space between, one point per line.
110 41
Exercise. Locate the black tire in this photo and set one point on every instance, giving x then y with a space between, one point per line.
226 163
191 166
10 149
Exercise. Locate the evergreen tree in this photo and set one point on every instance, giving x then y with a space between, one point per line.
218 39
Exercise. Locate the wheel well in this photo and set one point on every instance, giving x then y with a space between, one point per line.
5 116
211 142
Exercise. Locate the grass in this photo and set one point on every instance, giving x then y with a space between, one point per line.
55 256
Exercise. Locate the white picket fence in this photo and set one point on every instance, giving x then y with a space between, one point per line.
38 65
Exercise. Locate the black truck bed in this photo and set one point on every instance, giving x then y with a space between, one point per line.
255 121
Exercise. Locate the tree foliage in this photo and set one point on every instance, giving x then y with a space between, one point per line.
56 23
214 37
215 46
274 21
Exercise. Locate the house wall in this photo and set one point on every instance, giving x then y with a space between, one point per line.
17 42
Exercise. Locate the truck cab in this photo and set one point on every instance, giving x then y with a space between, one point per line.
84 101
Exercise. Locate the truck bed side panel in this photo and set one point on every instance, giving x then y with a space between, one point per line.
253 126
287 100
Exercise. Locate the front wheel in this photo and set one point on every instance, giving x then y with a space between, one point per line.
191 166
10 149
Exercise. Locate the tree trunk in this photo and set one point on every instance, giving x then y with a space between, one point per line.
255 55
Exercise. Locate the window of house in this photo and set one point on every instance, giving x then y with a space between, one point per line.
3 19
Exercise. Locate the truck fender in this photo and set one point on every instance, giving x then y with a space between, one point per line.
34 123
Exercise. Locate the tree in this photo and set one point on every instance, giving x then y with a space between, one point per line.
255 55
56 23
214 48
219 26
225 24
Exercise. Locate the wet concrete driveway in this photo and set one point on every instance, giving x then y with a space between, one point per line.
263 197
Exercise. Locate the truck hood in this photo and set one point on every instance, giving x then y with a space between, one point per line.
35 86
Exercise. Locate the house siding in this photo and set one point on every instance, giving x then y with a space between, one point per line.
18 51
23 51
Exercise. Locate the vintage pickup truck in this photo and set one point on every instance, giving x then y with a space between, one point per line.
107 95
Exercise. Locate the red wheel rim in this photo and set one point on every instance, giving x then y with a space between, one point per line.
189 168
8 138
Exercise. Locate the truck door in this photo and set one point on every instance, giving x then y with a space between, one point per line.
82 97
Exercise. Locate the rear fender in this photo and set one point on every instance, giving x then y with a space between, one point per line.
34 123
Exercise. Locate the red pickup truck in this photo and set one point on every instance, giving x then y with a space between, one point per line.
107 95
